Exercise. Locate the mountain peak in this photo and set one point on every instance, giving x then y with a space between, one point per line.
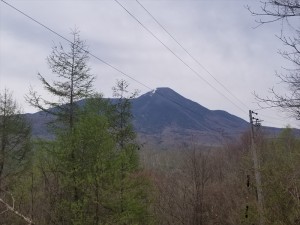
164 89
163 92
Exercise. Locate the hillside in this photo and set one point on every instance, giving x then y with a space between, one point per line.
168 118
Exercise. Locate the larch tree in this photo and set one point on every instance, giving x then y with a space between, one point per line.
74 81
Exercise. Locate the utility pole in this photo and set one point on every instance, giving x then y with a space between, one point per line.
256 167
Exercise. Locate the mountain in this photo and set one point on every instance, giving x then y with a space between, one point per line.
39 123
164 118
162 108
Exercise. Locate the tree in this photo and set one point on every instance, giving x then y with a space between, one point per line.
74 81
205 185
122 116
110 187
131 201
284 10
15 149
14 139
281 160
91 172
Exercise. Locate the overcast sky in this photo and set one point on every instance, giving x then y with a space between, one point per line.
220 34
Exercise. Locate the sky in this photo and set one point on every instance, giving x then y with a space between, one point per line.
221 35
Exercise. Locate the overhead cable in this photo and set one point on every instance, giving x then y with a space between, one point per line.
187 52
180 59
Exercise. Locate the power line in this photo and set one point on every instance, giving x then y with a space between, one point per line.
101 60
67 40
197 61
180 59
187 52
277 124
270 117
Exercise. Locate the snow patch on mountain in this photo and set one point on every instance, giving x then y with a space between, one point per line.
153 92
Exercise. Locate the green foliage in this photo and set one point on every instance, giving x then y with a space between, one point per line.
14 139
90 173
84 158
89 179
131 201
15 152
281 179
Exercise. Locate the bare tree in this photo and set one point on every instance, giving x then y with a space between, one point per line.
183 189
285 11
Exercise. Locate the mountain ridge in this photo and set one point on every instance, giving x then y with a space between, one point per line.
164 117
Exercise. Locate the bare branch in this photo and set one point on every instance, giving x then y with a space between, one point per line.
13 210
276 10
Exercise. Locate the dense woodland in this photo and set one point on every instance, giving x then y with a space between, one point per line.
95 172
